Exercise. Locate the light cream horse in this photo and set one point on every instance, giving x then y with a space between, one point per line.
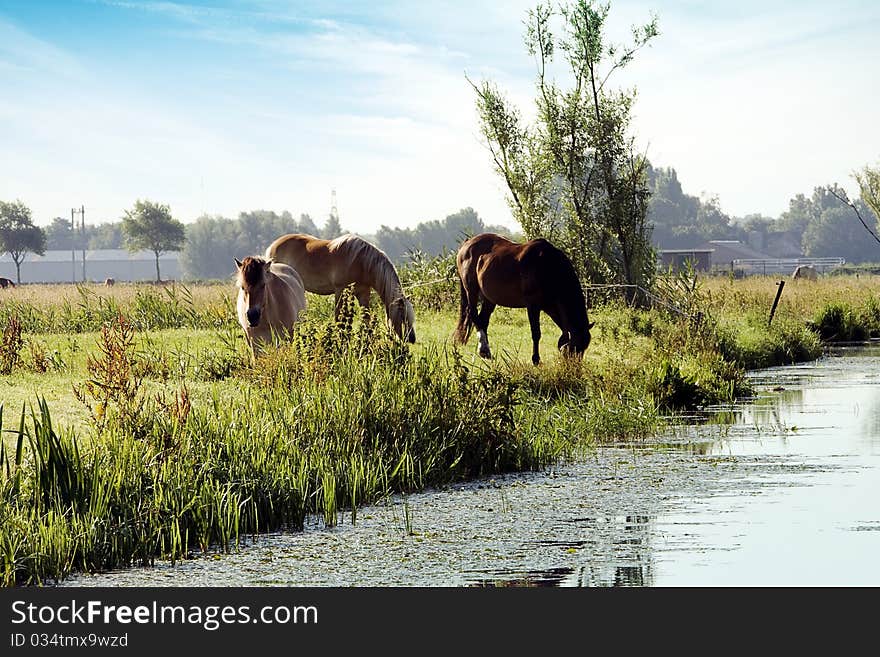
805 273
270 299
329 266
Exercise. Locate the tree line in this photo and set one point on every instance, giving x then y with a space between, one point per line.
147 226
819 225
822 224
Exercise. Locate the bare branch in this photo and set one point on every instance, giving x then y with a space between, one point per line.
845 200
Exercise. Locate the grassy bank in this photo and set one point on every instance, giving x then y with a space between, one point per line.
160 438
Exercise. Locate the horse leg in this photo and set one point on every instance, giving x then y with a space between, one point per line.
469 290
362 294
481 321
535 323
255 342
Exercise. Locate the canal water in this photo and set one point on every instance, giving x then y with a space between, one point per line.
783 489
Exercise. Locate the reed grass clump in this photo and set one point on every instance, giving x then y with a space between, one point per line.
11 343
840 322
166 476
53 309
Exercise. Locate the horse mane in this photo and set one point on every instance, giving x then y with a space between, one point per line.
252 270
569 290
381 276
376 265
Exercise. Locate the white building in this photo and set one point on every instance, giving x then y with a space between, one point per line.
119 264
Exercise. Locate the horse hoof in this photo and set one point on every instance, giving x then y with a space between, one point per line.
536 360
485 353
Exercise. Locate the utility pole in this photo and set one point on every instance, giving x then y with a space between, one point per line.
82 236
82 214
72 246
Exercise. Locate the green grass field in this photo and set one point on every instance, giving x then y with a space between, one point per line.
509 335
158 436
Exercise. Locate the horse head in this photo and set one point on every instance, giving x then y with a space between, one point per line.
403 319
575 342
252 275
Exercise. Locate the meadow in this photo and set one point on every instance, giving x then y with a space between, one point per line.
135 426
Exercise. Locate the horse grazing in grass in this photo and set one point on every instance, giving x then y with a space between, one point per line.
493 271
6 282
329 266
270 299
109 282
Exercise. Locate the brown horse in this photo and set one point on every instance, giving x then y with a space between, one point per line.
493 271
329 266
6 282
270 300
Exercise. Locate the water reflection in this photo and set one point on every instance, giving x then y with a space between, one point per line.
582 576
620 555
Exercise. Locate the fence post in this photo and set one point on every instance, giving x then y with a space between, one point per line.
780 285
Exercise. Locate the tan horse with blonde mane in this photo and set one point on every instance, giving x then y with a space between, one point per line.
270 299
329 266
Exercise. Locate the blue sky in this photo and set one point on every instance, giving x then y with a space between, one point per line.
222 106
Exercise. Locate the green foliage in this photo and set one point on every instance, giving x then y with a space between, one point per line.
840 323
213 241
106 235
575 177
430 282
837 232
869 186
150 308
682 221
112 393
754 345
363 419
332 228
18 234
11 344
433 238
343 414
150 226
670 388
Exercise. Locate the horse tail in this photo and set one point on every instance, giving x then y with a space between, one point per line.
463 329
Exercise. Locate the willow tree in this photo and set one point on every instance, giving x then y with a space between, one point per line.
575 176
869 190
869 186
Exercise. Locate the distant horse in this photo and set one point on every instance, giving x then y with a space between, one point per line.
805 272
270 299
109 282
493 271
329 266
6 282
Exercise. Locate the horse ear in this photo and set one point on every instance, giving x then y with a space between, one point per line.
237 263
